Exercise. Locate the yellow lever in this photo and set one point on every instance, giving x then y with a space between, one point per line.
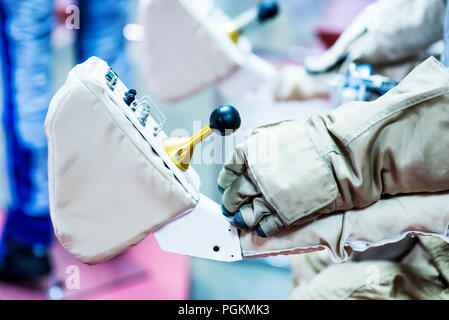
224 120
180 150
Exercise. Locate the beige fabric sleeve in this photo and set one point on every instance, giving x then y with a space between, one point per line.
354 155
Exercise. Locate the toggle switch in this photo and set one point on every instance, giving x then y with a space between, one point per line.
223 120
111 78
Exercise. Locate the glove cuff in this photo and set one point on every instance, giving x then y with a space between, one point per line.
284 163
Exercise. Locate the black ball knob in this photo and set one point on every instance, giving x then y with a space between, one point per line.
130 96
267 10
225 119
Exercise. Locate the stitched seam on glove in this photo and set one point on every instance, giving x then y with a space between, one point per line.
62 93
389 113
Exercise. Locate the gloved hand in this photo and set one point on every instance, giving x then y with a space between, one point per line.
294 83
267 168
289 173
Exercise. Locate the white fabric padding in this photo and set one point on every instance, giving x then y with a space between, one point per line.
108 188
184 48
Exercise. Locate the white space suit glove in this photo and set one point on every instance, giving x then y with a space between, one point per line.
290 173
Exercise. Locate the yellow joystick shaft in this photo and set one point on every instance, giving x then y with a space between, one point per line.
224 119
180 150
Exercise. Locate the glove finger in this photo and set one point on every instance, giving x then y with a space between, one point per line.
239 193
269 226
254 212
232 169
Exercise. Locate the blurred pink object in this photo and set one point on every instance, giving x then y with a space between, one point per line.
143 272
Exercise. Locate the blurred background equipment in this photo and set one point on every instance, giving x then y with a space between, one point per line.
196 52
265 11
359 84
224 120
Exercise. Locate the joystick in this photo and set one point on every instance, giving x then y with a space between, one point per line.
266 11
224 120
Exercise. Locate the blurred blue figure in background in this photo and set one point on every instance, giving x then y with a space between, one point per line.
26 55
